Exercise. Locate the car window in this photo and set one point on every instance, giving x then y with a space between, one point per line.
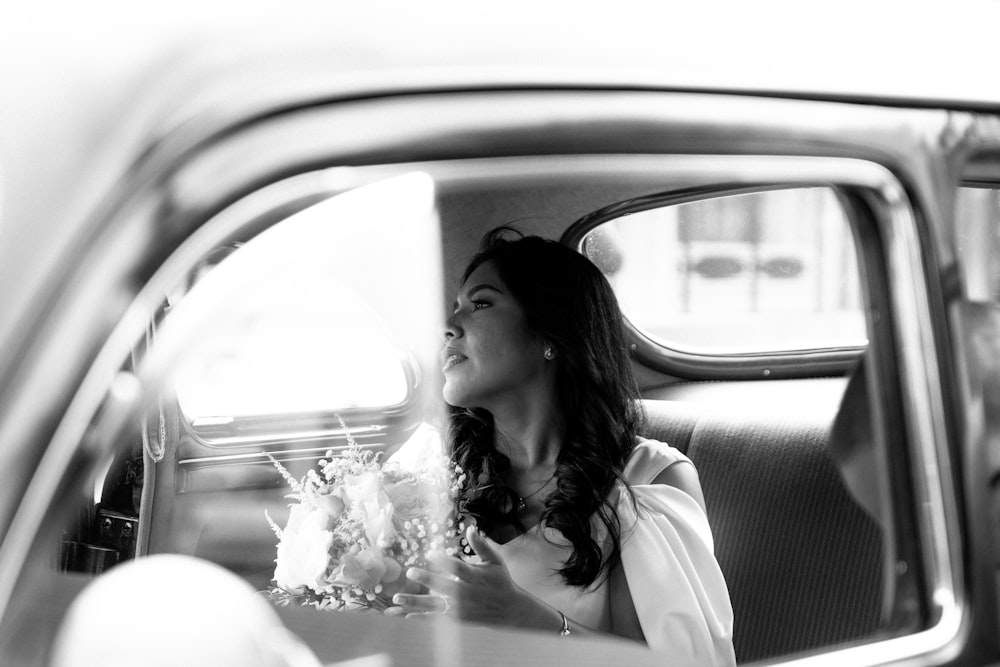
753 272
290 334
295 340
977 215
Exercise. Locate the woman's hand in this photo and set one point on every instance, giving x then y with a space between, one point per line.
480 592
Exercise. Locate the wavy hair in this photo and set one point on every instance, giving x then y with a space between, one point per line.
569 303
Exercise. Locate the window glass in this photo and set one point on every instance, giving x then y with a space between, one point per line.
977 217
757 272
302 343
291 331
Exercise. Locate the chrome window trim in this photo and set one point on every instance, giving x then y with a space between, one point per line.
233 441
265 457
935 509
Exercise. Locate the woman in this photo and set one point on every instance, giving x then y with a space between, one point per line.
582 527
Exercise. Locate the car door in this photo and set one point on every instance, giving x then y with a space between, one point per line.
552 156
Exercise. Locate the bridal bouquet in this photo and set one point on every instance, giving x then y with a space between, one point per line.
357 524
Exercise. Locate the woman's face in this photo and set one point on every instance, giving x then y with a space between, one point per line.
490 355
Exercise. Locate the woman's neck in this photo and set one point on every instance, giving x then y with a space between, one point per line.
529 433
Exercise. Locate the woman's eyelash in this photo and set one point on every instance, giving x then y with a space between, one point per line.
476 305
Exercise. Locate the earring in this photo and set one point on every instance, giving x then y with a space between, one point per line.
549 354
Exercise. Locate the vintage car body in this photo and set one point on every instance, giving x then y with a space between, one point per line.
225 127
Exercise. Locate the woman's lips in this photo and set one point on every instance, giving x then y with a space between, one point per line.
453 360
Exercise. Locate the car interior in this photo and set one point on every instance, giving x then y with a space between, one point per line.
263 328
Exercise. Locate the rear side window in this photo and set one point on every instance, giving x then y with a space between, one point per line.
752 272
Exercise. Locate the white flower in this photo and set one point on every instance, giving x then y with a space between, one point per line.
392 570
332 504
414 499
365 568
368 500
304 549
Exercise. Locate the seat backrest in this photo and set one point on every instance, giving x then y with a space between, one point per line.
803 561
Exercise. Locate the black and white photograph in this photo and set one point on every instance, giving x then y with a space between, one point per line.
379 334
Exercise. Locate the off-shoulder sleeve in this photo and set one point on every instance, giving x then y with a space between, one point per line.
677 588
423 450
649 459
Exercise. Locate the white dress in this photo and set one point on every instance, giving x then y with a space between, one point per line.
667 556
680 597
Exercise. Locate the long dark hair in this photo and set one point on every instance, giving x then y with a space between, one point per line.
569 303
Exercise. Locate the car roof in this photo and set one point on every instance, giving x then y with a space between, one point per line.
95 86
910 52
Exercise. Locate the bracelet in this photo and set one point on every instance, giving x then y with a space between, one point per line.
564 631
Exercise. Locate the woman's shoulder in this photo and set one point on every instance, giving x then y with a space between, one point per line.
424 449
649 458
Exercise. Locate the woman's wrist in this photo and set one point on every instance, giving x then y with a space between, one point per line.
545 618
